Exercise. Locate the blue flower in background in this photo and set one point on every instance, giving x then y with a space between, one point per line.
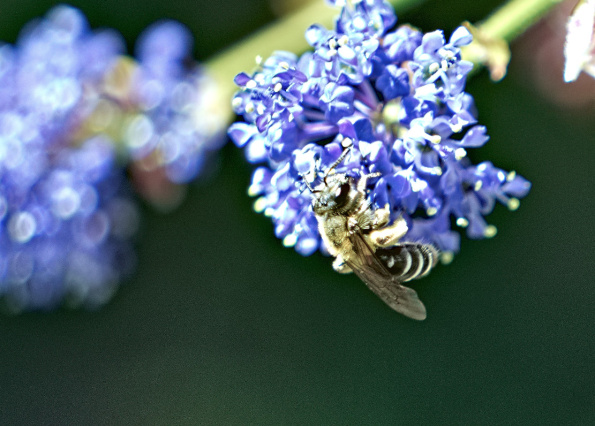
75 113
398 96
173 124
163 113
66 235
66 215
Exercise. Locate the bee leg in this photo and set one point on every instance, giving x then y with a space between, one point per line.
390 235
340 266
363 182
381 217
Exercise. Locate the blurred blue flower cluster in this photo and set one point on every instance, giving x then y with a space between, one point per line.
74 114
171 120
65 213
398 97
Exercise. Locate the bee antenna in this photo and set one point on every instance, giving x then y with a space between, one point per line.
308 186
305 184
347 144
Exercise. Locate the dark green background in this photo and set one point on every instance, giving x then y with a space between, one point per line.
222 325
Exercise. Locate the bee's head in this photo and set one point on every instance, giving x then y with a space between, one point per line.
333 194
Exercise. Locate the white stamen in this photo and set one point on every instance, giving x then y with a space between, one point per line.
446 257
290 240
456 128
462 222
236 103
490 231
260 204
460 153
513 204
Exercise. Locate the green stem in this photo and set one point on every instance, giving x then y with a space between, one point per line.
515 17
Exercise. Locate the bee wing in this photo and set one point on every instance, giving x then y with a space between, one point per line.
368 267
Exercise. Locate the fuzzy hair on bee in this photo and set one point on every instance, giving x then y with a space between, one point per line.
363 240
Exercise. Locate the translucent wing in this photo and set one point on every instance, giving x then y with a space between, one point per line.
369 268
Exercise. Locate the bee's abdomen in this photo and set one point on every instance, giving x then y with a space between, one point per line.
409 260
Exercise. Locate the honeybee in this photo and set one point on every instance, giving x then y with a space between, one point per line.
362 240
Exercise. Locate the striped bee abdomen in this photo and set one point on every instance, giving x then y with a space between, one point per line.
408 261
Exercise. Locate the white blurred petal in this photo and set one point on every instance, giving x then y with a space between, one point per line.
578 49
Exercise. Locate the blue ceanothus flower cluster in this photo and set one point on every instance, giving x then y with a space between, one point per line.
397 96
65 215
74 113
